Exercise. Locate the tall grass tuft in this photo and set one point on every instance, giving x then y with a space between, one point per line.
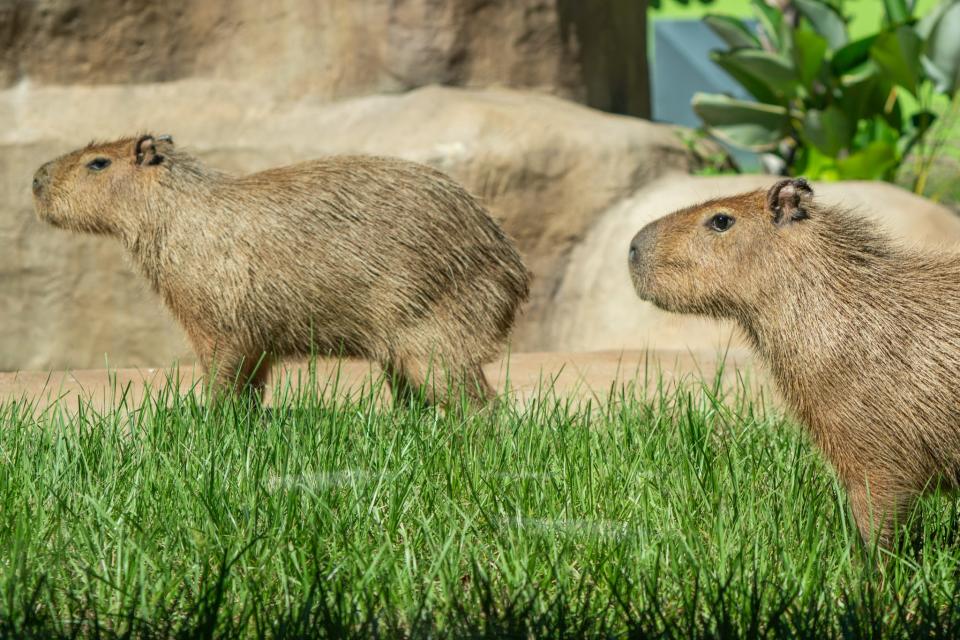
688 511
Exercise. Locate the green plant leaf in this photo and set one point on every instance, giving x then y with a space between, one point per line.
941 60
828 130
769 69
864 96
897 11
897 53
732 31
754 86
878 161
894 118
771 21
813 165
748 125
825 20
927 23
809 50
851 55
944 82
842 101
874 129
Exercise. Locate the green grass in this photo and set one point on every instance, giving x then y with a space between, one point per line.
680 514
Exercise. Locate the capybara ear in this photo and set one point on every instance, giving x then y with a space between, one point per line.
788 200
146 150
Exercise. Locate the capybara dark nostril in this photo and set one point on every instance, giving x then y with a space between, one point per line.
40 179
640 246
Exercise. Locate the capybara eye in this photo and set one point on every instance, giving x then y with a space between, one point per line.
98 164
721 222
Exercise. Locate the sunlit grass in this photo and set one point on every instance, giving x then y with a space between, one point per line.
680 513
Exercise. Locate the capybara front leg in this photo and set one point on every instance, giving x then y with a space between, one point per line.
876 512
229 369
240 374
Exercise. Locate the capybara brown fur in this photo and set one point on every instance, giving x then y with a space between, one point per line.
357 256
861 334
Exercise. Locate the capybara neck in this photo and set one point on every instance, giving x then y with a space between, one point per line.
834 295
172 214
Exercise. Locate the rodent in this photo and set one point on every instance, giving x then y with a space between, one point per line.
861 334
357 256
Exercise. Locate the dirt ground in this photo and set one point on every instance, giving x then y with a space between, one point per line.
524 375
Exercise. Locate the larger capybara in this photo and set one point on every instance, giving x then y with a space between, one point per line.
862 335
360 256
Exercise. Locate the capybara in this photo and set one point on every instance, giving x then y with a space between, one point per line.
862 335
357 256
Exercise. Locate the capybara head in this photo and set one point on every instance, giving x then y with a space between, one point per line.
715 257
93 188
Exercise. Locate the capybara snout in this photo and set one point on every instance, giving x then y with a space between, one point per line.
41 179
640 256
694 259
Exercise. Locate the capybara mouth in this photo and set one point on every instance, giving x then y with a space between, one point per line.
43 212
46 214
640 285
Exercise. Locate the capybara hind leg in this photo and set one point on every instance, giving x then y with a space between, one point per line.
406 385
467 383
438 385
253 374
225 371
476 386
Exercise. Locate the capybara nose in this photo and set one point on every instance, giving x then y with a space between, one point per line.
639 257
40 179
640 246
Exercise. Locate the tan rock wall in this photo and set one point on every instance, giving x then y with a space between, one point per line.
570 184
593 52
545 167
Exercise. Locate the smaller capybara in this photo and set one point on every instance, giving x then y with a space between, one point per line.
861 335
358 256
